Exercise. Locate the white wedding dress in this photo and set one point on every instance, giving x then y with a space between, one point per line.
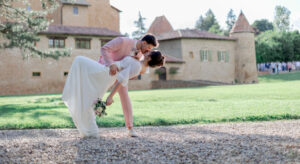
88 80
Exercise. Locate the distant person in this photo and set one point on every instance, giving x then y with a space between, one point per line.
273 67
289 66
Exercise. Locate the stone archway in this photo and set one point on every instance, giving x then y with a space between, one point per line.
162 73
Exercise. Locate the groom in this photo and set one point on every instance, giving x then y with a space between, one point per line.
116 50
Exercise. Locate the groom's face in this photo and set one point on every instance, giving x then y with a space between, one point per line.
146 47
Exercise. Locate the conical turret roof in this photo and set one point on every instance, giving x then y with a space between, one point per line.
241 25
160 25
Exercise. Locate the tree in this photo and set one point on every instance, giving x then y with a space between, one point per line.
296 41
126 34
262 25
215 28
199 23
277 46
207 22
282 18
140 25
19 27
231 18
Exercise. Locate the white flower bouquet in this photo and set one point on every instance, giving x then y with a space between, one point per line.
100 107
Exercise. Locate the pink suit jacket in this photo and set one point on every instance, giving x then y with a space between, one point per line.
116 50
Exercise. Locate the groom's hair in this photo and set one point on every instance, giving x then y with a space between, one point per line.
150 39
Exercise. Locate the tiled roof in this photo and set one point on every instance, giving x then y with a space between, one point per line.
75 2
241 25
74 30
160 25
171 59
191 33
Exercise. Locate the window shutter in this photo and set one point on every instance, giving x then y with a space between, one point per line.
201 55
209 56
226 57
219 56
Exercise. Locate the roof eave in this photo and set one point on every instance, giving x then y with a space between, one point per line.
174 38
176 62
78 4
76 34
115 8
242 32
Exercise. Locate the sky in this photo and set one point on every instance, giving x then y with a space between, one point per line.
183 14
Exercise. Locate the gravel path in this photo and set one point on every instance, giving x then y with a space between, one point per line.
251 142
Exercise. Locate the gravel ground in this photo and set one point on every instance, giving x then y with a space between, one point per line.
251 142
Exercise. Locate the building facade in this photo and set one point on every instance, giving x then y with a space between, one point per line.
82 26
209 57
191 55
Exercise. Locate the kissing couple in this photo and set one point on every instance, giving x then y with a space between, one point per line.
121 60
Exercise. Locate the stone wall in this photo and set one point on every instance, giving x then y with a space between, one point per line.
98 14
171 47
175 84
194 68
160 84
101 14
71 19
17 74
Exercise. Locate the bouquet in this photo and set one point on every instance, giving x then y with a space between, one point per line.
99 107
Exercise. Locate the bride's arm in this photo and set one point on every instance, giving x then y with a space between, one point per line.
109 99
131 69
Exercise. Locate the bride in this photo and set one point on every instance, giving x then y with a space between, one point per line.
88 80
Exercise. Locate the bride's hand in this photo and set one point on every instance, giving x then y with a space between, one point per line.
138 55
113 69
109 101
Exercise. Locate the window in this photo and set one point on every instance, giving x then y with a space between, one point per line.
66 73
223 56
75 10
104 41
205 55
56 42
83 43
36 74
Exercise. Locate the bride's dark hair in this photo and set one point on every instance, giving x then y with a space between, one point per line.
157 59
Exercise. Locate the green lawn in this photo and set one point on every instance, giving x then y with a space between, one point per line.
275 97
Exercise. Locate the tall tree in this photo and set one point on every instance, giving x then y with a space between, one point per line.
140 25
282 18
205 23
231 18
262 25
19 27
199 23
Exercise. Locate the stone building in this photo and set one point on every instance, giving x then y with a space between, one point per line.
208 58
84 26
193 57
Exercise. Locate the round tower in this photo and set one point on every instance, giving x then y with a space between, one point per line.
245 56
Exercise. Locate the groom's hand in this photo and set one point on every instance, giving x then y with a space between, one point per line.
113 69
